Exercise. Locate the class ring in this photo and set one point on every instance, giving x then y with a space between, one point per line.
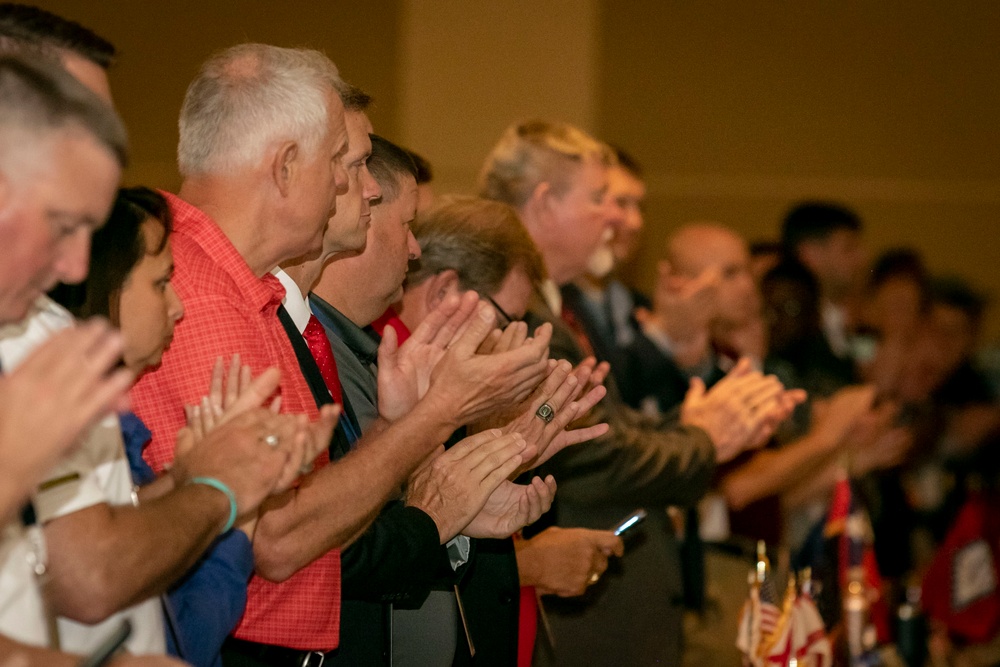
545 412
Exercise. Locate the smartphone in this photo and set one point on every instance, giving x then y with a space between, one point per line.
627 526
109 647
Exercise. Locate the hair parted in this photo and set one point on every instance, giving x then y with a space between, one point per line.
535 152
388 163
29 31
40 98
248 96
480 239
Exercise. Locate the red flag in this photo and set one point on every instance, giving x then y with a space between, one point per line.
960 586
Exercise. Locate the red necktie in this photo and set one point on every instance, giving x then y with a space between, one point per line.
581 336
319 345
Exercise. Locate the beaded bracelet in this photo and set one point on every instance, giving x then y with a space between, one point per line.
216 484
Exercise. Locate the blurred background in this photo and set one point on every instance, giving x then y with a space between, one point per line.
736 110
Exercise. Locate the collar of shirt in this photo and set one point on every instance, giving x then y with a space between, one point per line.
193 223
44 320
296 305
360 340
550 293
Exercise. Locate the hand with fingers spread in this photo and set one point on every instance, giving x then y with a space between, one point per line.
512 507
60 390
835 418
543 417
453 486
741 411
683 309
875 441
468 386
565 561
404 372
230 394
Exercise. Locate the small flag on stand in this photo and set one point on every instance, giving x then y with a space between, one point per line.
788 633
849 524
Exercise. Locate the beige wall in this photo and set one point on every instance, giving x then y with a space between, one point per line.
739 109
736 109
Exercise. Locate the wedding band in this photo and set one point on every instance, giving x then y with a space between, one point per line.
593 578
271 440
545 412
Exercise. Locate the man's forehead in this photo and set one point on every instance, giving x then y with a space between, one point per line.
622 181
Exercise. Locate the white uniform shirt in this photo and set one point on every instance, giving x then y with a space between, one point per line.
97 472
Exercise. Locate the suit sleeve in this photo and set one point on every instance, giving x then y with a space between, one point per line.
649 462
398 559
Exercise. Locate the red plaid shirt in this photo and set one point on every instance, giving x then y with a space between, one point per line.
228 310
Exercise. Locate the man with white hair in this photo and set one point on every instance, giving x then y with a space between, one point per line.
262 143
556 177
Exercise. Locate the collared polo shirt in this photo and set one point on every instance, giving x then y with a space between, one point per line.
228 310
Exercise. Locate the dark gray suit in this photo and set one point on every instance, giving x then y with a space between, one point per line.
633 615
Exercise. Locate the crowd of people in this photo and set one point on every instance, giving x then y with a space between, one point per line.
306 412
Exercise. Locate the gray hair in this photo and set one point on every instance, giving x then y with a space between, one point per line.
248 96
535 152
39 98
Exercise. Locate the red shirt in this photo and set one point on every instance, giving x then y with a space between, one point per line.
228 310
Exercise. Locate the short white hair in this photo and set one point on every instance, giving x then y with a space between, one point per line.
248 96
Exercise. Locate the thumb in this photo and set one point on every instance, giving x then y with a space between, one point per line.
696 390
388 349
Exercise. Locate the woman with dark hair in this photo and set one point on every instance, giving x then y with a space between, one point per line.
131 265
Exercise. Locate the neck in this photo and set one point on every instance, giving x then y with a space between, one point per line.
409 309
240 216
341 291
305 274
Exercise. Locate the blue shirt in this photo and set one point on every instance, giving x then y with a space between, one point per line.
205 605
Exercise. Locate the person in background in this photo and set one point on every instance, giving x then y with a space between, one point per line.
827 239
470 244
556 178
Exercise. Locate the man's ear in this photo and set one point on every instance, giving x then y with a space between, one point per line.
284 166
440 286
538 206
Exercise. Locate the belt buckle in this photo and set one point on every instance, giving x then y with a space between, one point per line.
313 659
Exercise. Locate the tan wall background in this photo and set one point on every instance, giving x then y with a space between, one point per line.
735 109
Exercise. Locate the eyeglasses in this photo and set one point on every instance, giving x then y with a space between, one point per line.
503 314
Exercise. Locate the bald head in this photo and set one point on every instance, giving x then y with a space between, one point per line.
698 247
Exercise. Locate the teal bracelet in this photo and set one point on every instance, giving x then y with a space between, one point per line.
216 484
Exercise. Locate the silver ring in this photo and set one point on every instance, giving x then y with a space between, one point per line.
306 468
545 413
271 440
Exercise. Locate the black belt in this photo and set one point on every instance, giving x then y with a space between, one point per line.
240 653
